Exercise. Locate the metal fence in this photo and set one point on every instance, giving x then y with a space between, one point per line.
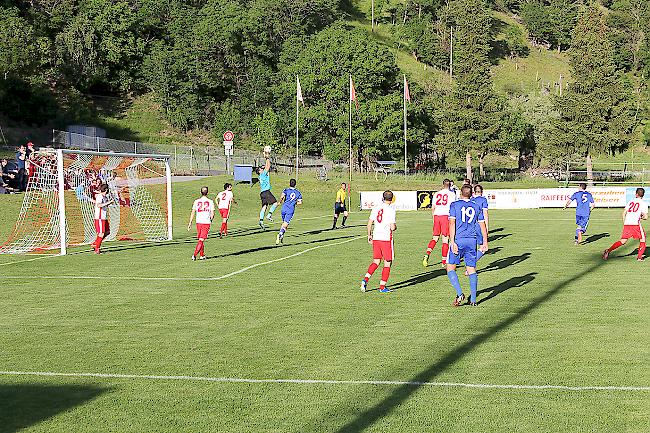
608 173
196 160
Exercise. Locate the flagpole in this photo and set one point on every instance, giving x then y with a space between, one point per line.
405 147
297 111
350 118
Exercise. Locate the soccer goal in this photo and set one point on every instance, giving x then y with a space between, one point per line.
58 207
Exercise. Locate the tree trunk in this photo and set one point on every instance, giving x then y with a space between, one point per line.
590 171
481 167
468 165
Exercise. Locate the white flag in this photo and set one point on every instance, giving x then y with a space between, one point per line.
299 91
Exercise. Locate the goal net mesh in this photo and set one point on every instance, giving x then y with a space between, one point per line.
137 186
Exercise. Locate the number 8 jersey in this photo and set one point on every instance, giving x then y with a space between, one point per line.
382 216
467 215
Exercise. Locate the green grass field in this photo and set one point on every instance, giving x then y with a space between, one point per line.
550 313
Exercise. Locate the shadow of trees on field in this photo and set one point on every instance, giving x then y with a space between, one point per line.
24 405
506 285
366 418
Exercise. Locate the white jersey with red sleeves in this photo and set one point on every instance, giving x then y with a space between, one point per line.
100 212
442 200
225 198
382 216
203 207
634 210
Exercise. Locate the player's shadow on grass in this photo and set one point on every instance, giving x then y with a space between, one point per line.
505 262
26 404
418 279
329 229
365 419
271 247
595 238
506 285
494 238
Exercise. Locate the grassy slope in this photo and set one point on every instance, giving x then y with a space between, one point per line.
547 318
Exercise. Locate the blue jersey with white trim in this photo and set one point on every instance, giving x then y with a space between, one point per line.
467 214
291 197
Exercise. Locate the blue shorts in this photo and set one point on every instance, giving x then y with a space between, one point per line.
287 215
582 222
466 250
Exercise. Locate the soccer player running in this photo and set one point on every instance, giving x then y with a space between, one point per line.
635 211
584 205
381 239
101 216
465 220
267 197
203 207
290 198
225 198
339 205
442 200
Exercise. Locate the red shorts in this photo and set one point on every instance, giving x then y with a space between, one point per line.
634 232
224 213
101 226
382 250
202 231
440 225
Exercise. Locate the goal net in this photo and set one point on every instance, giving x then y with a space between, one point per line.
58 209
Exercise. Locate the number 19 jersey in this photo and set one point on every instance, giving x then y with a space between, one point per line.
382 216
442 201
467 215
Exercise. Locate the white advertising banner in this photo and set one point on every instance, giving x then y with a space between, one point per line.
512 198
603 197
403 200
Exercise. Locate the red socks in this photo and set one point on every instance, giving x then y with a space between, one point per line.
431 246
385 273
199 249
615 245
445 253
98 243
641 250
224 228
371 270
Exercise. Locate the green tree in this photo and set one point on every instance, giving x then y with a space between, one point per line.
597 113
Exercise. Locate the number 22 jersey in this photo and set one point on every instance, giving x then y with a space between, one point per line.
467 214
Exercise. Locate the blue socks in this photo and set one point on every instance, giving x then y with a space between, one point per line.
273 206
453 279
577 233
473 286
262 214
282 231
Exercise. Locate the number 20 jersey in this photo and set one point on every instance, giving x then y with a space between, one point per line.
467 214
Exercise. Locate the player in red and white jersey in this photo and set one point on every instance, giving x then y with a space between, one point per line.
380 237
204 209
442 200
635 211
101 216
225 198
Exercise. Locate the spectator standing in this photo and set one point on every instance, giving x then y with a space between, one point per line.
21 158
9 173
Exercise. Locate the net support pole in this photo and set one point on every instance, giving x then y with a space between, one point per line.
61 191
168 176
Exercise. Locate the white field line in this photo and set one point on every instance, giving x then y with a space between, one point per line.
328 382
137 278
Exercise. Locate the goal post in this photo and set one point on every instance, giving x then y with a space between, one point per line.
58 207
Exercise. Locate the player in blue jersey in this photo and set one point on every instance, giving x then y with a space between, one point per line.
290 198
584 205
483 205
267 197
465 220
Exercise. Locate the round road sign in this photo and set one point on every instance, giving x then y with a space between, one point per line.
228 136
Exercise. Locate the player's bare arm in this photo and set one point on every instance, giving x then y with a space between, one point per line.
393 227
282 198
267 164
483 248
189 224
369 231
299 202
568 203
452 235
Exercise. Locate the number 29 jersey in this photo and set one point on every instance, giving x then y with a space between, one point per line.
467 215
442 201
382 216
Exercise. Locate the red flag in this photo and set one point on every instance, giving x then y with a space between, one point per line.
407 93
353 93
